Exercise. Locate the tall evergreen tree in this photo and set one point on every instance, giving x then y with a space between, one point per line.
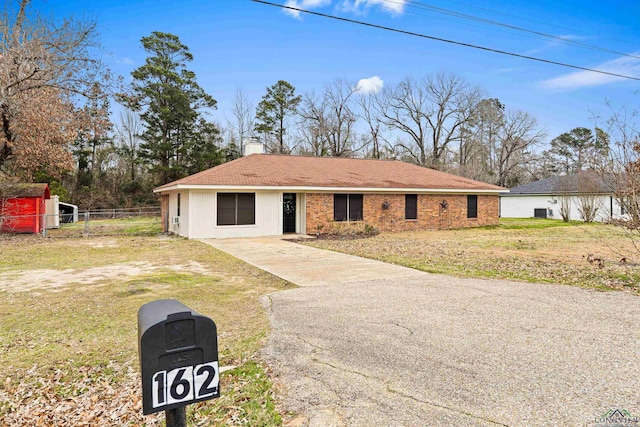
171 102
578 149
276 106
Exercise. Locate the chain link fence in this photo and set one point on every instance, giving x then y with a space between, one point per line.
95 222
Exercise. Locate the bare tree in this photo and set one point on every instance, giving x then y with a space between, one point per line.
44 65
313 125
128 132
370 115
330 120
338 98
589 195
565 207
623 171
244 114
518 134
430 112
566 188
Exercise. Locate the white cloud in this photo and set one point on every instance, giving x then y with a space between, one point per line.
624 65
558 42
507 70
395 7
368 86
303 4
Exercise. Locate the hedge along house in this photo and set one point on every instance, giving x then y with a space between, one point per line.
22 207
263 195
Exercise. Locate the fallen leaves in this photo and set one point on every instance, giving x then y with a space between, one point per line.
74 396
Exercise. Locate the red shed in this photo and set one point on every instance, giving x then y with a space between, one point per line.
22 207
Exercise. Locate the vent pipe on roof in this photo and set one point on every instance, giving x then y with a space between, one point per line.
253 146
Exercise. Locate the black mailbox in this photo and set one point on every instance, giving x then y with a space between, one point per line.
178 352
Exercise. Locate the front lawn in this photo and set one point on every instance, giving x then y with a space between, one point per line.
68 328
533 250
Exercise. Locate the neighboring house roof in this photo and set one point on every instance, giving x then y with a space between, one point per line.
580 183
268 170
24 190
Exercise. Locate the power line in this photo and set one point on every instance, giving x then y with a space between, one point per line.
411 33
531 20
425 6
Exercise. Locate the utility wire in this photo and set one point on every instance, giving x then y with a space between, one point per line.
425 6
484 9
411 33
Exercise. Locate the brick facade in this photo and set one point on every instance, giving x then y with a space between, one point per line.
432 212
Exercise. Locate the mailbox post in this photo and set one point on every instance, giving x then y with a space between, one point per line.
178 351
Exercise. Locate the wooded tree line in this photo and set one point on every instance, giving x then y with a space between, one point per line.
56 126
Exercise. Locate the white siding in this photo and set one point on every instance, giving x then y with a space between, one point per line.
301 213
523 207
183 227
202 217
52 212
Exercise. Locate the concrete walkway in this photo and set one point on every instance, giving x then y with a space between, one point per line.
307 266
365 343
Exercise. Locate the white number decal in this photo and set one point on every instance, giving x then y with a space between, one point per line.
180 385
206 379
185 384
159 389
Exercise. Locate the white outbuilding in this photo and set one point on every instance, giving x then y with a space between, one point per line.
577 196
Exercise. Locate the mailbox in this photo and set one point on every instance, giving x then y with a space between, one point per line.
178 351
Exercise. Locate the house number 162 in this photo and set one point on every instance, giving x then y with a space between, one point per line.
185 384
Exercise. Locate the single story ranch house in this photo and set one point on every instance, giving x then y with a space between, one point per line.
264 195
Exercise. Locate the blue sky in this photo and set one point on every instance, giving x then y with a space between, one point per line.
247 45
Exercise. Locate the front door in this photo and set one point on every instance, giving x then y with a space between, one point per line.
289 212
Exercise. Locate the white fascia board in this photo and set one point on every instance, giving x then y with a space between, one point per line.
555 194
307 189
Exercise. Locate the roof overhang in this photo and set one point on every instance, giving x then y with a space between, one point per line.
570 194
308 189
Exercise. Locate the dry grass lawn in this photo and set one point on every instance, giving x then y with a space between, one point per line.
529 250
68 328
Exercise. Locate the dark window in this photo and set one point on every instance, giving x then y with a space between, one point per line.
472 206
355 207
539 212
340 207
411 206
347 207
178 210
236 209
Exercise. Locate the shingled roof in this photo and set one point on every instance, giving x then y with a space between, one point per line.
24 190
582 182
268 170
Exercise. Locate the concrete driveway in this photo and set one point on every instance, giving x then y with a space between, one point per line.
364 343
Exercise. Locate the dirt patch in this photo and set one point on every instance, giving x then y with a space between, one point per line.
58 280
